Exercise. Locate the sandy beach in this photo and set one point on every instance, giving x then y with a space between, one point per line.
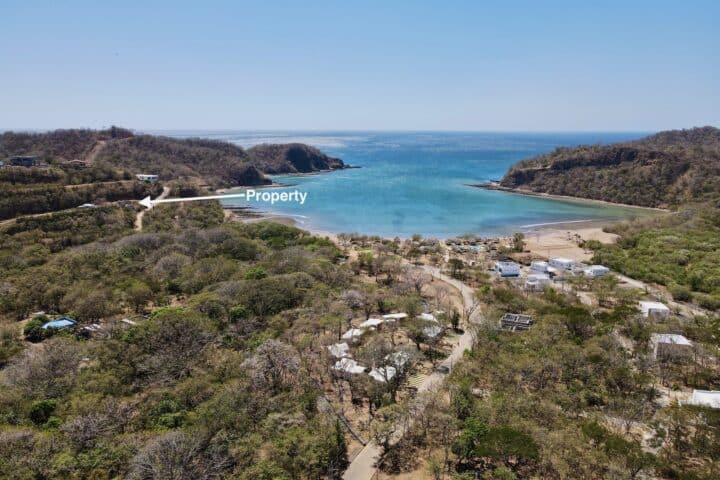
563 239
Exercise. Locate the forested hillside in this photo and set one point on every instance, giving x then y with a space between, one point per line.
662 170
215 163
292 158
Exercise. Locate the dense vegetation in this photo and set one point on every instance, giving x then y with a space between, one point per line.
212 384
662 170
680 251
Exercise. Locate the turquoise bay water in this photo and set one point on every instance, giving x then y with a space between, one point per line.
416 182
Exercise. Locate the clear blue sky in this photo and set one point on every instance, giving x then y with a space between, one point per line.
451 65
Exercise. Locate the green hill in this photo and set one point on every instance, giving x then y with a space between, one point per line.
216 163
663 170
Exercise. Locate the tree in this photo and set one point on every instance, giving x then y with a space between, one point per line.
274 366
456 266
387 421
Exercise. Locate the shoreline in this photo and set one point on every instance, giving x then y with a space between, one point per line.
495 186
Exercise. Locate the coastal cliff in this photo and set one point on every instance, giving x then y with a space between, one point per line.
662 170
292 158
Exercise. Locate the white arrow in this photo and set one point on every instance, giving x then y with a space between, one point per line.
148 203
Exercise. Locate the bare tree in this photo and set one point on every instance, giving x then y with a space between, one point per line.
274 365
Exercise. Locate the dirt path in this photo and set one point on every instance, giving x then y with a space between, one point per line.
97 148
141 213
362 466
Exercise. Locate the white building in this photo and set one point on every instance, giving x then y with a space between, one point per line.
595 271
144 177
537 281
348 365
428 317
507 269
339 350
539 266
562 263
432 331
706 398
670 345
372 323
352 333
391 317
654 309
383 374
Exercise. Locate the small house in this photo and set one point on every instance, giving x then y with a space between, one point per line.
59 323
515 322
562 263
594 271
670 346
654 310
391 317
144 177
23 161
539 266
705 398
339 350
507 269
537 281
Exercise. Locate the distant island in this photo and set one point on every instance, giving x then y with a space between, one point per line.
662 170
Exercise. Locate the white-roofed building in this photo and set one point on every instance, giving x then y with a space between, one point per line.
596 271
352 333
670 345
348 365
539 266
705 398
383 374
372 323
562 263
428 317
391 317
507 269
432 331
398 359
537 281
654 309
339 350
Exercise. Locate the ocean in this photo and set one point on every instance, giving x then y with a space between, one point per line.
417 182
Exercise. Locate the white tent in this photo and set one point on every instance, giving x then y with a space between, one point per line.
391 317
348 365
432 331
428 317
353 332
339 350
398 359
371 323
383 374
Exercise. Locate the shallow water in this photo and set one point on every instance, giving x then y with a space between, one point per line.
416 182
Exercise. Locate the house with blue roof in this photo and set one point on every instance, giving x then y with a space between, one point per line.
59 323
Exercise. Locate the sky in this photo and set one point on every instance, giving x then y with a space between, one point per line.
360 65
